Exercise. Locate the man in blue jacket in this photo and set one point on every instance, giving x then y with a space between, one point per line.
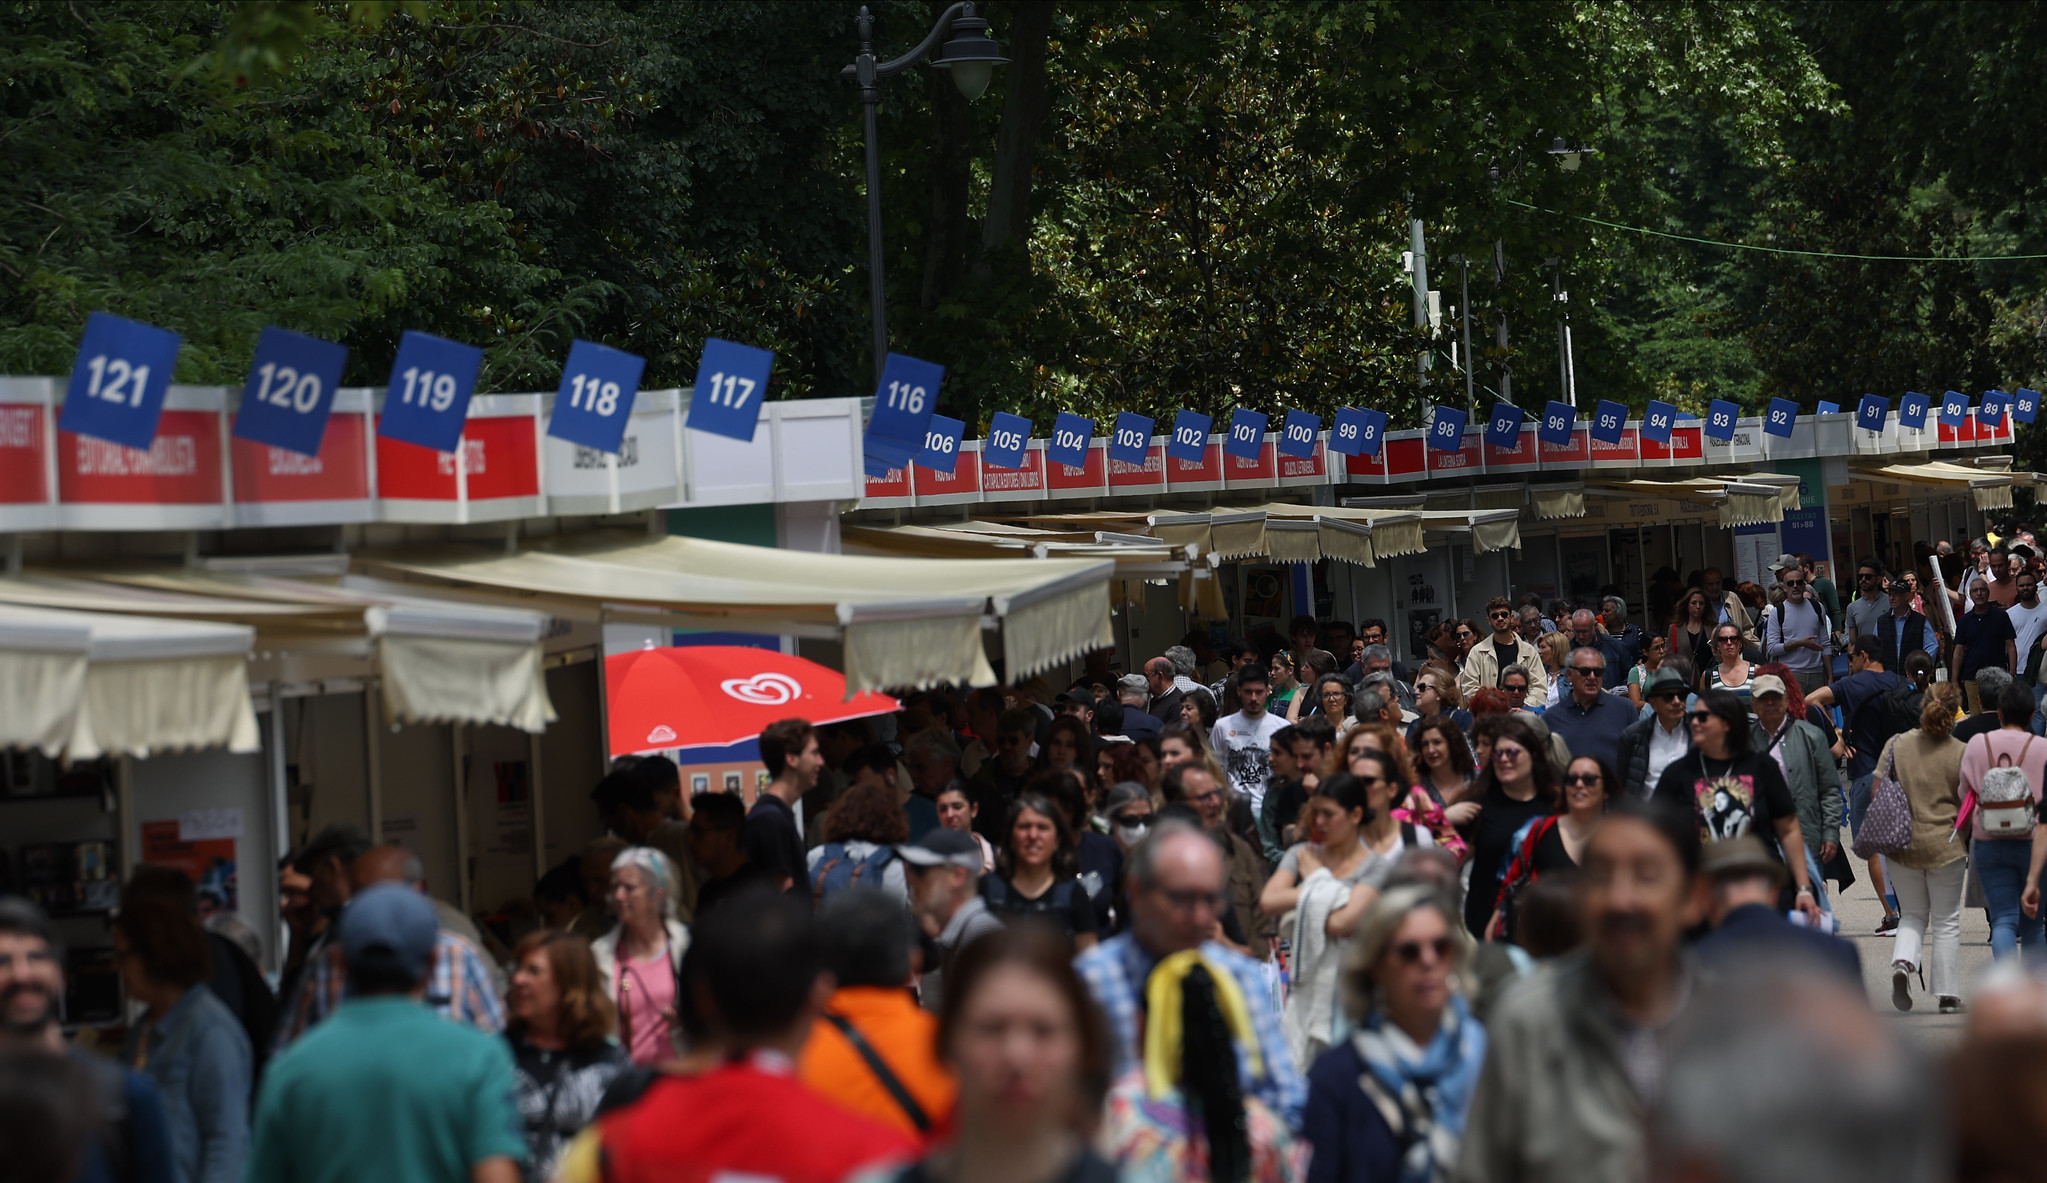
1747 923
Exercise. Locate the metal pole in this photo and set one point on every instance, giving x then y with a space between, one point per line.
1418 245
1500 336
1464 294
1563 331
870 98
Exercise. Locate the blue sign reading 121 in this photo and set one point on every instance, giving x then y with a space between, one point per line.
118 382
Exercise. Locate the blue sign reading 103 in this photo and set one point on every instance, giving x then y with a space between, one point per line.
1007 435
1132 438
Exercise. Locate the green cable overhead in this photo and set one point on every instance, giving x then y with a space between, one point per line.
1778 250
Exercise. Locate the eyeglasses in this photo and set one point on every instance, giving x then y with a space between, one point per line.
1202 798
1668 696
1410 952
1700 716
1727 640
1794 583
1514 689
1865 575
1133 819
1584 778
1587 670
1507 752
1501 615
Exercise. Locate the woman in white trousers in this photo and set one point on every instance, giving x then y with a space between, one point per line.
1927 876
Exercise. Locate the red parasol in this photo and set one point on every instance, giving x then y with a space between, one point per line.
717 695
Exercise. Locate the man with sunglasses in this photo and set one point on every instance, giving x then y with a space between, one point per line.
1796 630
1869 605
1586 634
1488 660
1653 744
1588 719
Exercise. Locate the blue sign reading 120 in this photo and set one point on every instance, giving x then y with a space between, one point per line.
290 392
119 380
428 399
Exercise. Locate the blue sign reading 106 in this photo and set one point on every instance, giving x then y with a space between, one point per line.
119 381
290 392
1190 437
942 444
1007 435
428 398
1356 432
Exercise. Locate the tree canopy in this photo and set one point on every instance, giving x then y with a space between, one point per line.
1157 205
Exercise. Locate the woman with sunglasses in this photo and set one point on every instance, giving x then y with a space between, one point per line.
1556 843
1731 670
1732 789
1436 693
1691 628
1515 787
1390 1102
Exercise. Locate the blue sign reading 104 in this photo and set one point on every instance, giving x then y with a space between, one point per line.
290 392
1007 435
1071 435
1297 436
595 401
119 380
1357 433
1132 438
1446 429
428 398
1608 421
731 384
1190 437
1247 434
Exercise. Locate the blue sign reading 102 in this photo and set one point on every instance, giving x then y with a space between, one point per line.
428 398
595 401
119 381
732 382
1357 433
1190 437
1007 435
290 392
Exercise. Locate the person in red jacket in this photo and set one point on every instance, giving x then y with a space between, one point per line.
755 973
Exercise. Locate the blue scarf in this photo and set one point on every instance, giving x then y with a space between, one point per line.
1433 1095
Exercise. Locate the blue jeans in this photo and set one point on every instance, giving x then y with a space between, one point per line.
1859 791
1818 879
2001 863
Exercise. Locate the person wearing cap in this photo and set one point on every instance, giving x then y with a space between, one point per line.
1796 630
1902 628
1134 692
1806 757
1746 881
943 869
386 1089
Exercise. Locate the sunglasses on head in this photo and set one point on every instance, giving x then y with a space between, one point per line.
1410 952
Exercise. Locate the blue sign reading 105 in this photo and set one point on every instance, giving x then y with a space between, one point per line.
595 401
1007 435
290 391
1190 437
119 381
731 384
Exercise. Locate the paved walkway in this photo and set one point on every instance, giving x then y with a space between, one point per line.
1860 912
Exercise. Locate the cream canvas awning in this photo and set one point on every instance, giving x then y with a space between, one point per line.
439 661
86 684
1350 534
904 622
1991 487
1747 499
1225 533
1490 529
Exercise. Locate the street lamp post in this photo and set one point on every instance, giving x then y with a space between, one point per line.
971 56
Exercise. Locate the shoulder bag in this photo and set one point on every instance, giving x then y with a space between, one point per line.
1887 827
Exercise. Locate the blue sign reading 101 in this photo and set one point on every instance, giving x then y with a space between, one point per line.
290 392
1007 435
428 398
119 381
1247 434
595 401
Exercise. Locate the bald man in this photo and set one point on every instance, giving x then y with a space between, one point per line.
392 863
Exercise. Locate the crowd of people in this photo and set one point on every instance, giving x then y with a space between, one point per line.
1550 903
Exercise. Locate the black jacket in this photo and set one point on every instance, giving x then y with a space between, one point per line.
1631 756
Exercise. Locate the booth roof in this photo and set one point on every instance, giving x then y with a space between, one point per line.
1991 486
904 622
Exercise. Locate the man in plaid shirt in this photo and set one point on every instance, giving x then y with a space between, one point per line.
459 984
1176 899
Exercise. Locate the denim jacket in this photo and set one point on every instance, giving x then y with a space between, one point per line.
198 1057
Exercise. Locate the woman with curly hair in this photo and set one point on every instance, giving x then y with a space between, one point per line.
560 1032
861 833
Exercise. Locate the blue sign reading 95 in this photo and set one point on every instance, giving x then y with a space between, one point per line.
1297 435
1190 437
598 386
1071 435
1609 419
1358 433
1132 438
428 398
1503 430
1007 436
1656 421
1247 434
1446 429
118 381
290 392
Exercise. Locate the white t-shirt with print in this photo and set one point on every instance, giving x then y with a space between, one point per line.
1244 746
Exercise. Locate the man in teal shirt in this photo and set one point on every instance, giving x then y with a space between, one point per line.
386 1089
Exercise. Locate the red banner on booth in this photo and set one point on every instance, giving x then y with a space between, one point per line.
1140 477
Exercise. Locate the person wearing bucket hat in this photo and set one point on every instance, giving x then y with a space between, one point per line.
1747 926
384 1084
1655 742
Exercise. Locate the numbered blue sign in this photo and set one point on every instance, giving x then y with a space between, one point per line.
1503 429
1007 436
1190 437
1608 420
119 380
428 399
1720 416
1780 418
1247 434
1358 433
1071 435
1132 438
1297 435
941 450
2025 405
1446 429
1992 411
1954 408
1656 421
596 396
732 382
290 391
1827 408
1912 410
1558 421
1871 412
904 403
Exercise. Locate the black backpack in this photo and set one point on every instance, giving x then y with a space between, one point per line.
1901 705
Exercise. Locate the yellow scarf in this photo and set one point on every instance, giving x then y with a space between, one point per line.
1162 1033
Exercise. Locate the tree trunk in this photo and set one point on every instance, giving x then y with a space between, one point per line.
945 242
1016 147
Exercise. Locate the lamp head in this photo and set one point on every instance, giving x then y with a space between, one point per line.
971 55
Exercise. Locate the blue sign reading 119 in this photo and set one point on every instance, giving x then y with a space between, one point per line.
428 398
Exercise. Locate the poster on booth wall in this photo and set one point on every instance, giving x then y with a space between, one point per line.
209 861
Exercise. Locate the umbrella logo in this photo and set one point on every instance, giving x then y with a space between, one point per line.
768 690
661 734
